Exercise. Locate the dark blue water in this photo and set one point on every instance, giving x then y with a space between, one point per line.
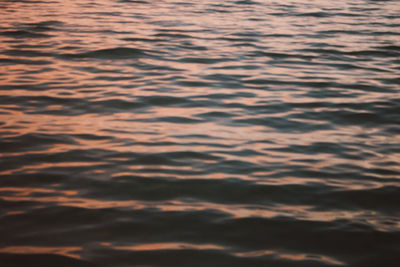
200 133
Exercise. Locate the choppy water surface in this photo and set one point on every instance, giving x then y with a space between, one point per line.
200 133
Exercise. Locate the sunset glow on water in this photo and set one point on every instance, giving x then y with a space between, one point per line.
199 133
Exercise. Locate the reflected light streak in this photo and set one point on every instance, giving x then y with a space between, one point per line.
26 191
37 167
63 251
310 257
166 246
292 257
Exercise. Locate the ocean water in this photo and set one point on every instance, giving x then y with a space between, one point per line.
200 133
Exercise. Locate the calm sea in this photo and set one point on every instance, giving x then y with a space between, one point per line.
200 133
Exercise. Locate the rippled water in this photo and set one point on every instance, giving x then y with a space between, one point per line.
200 133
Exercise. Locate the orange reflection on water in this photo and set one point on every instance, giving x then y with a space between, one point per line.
26 191
311 257
304 212
258 253
291 256
37 167
126 126
166 246
64 251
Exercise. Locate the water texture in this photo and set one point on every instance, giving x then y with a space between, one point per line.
200 133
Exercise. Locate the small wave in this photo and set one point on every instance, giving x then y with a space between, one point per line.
112 53
24 34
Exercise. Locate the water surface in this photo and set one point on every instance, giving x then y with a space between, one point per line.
199 133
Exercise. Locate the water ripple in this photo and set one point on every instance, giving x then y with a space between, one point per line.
224 133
